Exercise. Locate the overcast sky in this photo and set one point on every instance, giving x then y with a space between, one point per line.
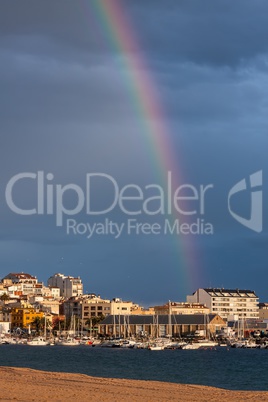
66 109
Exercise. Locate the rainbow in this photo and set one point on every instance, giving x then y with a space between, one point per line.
113 28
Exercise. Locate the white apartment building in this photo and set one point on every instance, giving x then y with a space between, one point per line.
68 285
228 303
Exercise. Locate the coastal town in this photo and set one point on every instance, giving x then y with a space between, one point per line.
38 314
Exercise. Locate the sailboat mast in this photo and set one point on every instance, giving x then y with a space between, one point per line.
45 329
169 319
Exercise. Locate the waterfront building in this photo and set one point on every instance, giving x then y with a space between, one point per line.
230 304
22 317
160 325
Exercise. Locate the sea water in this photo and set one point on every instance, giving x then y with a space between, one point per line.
237 369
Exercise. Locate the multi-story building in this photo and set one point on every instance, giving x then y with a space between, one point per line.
68 285
181 308
228 303
72 307
47 305
120 307
263 311
97 307
20 283
55 292
20 278
138 310
24 316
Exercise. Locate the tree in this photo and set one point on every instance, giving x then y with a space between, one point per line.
58 323
4 297
93 321
96 320
38 323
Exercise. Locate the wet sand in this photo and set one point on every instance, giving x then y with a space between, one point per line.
21 384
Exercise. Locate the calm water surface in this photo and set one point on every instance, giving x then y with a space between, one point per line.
244 369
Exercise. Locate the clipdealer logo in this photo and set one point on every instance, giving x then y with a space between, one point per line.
255 222
132 201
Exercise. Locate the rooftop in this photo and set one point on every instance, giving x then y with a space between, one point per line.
185 319
20 275
221 292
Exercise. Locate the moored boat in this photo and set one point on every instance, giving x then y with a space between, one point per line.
70 342
38 341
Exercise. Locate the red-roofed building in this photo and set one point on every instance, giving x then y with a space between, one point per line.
20 277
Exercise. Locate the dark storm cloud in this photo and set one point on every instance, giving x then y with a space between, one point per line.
220 32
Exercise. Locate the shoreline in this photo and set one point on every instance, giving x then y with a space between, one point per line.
24 384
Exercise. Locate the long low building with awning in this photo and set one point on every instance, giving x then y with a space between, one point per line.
159 325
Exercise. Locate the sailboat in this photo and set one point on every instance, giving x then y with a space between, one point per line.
207 342
156 346
71 341
39 340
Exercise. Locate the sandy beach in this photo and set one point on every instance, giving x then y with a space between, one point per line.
21 384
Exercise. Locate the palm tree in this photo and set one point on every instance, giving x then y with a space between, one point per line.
93 321
38 323
58 324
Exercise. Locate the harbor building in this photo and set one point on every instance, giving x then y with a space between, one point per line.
160 325
230 304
